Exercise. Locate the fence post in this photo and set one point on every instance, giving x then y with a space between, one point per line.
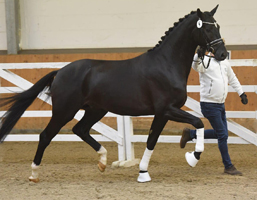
128 124
121 133
129 158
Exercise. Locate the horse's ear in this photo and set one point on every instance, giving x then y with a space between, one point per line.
214 10
199 13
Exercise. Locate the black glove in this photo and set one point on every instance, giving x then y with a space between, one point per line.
244 99
201 52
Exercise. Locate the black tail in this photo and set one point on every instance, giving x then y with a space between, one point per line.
19 102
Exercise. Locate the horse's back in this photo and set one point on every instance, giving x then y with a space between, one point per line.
118 86
100 83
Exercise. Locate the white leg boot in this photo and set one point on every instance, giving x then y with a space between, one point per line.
143 166
34 176
199 147
103 159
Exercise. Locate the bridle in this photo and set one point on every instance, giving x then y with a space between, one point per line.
209 45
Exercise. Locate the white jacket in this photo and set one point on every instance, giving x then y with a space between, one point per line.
215 79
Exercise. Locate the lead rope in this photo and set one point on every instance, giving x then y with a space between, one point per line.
202 61
208 64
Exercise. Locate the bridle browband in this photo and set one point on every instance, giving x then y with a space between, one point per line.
209 45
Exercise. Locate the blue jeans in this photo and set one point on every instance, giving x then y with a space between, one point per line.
216 114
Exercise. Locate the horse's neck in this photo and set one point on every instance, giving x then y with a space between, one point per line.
179 47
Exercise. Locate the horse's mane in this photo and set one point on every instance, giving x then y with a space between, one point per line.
171 29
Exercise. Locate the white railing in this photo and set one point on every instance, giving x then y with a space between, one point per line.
124 135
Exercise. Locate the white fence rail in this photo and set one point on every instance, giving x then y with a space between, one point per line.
124 136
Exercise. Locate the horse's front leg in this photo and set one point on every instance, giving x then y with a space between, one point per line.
178 115
155 131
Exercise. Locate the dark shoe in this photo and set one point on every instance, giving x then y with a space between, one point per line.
233 171
185 137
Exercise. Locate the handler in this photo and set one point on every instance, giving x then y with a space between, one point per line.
214 79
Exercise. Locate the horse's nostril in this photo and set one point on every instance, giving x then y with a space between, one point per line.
223 56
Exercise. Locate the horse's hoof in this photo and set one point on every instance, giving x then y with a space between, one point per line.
143 177
35 180
190 158
101 167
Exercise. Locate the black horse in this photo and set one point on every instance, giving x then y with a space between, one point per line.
153 83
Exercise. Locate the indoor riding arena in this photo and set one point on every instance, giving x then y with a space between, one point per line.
38 37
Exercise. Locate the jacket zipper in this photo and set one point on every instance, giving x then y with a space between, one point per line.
210 87
223 83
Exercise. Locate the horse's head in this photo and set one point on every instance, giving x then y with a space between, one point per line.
208 35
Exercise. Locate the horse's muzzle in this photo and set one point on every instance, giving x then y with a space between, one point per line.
220 55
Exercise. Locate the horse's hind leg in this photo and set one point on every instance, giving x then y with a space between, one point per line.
82 129
54 126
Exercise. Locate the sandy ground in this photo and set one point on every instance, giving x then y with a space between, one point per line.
69 171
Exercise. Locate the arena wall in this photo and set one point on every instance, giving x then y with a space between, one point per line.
86 24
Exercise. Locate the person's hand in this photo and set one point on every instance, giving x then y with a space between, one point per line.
201 52
244 99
